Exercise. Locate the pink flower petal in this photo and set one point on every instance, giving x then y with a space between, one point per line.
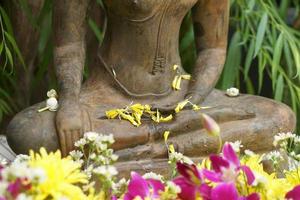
190 172
249 174
294 194
205 191
188 191
253 196
212 176
137 186
230 155
157 186
224 191
217 162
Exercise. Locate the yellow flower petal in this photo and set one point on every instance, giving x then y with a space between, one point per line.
166 119
177 86
186 77
174 83
181 105
175 67
166 135
171 148
111 114
195 107
129 118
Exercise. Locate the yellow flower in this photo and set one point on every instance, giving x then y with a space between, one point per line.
293 177
62 175
267 185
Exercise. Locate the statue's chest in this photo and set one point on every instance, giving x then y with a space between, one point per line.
143 9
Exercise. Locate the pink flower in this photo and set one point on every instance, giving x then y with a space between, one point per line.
190 183
227 168
140 187
294 194
18 186
229 191
210 125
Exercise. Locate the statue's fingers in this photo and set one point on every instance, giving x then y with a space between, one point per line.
75 137
62 141
69 141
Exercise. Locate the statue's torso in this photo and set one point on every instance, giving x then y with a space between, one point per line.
140 46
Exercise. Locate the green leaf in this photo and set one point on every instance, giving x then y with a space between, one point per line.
6 20
95 29
1 47
261 33
277 58
15 47
9 56
261 67
279 88
249 59
249 86
233 62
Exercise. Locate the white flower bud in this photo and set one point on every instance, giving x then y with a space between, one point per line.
52 104
233 92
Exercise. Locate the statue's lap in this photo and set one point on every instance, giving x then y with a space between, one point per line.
253 120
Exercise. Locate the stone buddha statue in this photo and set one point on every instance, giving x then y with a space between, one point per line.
135 65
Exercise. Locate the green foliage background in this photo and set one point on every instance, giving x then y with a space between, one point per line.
263 52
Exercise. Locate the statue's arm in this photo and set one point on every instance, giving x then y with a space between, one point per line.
210 18
69 51
69 57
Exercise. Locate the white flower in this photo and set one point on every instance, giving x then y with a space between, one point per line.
52 104
274 156
152 175
259 179
107 171
236 145
23 196
80 143
52 93
18 170
101 146
76 155
173 187
249 152
114 157
21 158
120 186
282 137
93 156
38 175
180 157
3 187
3 161
232 92
91 136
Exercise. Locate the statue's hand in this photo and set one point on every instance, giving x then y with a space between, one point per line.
69 124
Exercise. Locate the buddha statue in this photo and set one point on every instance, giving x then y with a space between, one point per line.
136 65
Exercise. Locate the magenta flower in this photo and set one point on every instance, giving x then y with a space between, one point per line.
229 191
190 183
15 188
294 194
227 168
143 188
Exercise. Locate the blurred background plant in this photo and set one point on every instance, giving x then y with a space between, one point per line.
263 50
